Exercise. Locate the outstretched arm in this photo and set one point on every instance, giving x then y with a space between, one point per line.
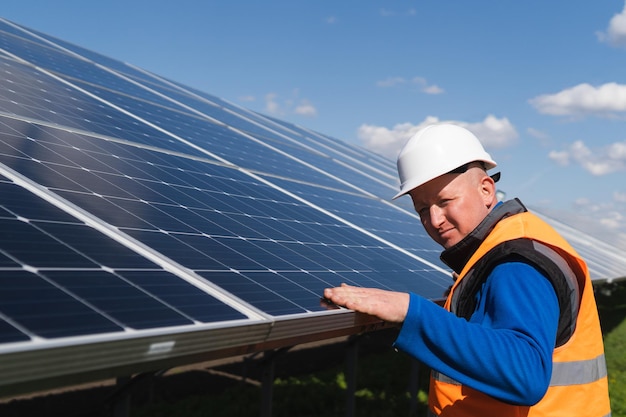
504 350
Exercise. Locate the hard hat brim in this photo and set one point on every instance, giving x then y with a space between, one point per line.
405 190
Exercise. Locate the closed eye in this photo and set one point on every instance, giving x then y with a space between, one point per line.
423 212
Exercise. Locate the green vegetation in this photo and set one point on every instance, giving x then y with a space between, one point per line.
382 381
611 300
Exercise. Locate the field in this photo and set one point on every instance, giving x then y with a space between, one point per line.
612 307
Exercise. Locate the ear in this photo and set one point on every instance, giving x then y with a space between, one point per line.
488 191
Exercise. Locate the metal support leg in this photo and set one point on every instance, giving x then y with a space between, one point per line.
413 387
118 402
121 405
352 354
267 384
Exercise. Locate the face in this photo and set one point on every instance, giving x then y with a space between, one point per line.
452 205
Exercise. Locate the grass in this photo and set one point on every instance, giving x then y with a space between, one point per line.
382 381
611 300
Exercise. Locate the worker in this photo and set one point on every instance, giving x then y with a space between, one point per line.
519 333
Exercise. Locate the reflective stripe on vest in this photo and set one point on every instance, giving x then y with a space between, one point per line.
578 372
438 376
431 414
563 373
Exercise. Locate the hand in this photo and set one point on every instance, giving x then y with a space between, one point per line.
386 305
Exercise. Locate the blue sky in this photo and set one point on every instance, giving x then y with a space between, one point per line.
542 83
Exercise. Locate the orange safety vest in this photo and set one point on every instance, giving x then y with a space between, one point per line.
579 385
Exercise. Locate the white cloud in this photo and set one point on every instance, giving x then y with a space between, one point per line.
612 220
390 13
419 82
543 137
600 161
615 34
601 221
617 150
619 197
391 82
247 99
492 132
331 20
583 201
605 214
277 106
271 106
561 158
583 99
425 86
579 151
432 89
305 109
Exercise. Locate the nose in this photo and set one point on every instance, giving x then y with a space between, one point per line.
436 215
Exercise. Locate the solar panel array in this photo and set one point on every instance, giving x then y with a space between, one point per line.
145 223
139 212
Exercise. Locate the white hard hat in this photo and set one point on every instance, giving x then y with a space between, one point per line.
436 150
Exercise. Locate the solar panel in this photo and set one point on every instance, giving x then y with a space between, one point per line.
147 224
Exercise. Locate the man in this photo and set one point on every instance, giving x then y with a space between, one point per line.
519 333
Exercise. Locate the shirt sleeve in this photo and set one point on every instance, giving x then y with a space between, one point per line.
505 349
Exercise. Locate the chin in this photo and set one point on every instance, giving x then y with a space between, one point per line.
447 244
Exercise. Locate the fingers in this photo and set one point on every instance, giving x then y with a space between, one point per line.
328 304
387 305
339 295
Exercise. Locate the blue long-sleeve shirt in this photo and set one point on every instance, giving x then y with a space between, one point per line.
505 349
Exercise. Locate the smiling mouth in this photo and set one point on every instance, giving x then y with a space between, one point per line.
446 235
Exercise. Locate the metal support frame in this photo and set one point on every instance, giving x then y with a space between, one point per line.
119 401
267 381
413 387
121 397
352 356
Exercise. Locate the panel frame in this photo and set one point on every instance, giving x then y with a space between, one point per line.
71 361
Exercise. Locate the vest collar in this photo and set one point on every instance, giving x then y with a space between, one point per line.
457 256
